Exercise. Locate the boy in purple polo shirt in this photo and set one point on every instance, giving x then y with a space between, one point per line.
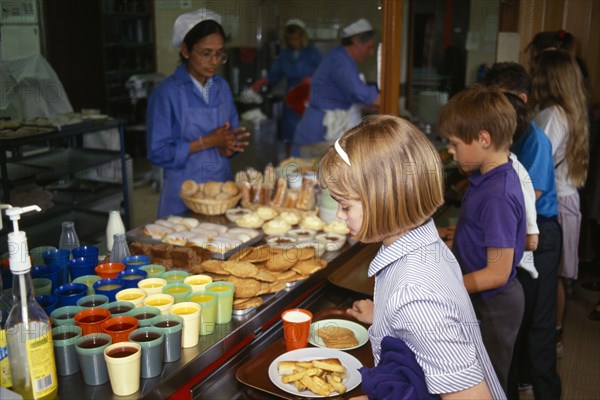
490 233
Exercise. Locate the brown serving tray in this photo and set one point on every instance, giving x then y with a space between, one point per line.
254 373
353 274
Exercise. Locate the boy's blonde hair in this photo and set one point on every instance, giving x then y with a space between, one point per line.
395 173
557 81
479 109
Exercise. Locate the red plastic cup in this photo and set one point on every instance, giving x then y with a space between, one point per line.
119 328
296 328
90 320
109 270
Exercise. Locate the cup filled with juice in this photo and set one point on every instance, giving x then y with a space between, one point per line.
179 290
161 301
208 313
190 312
223 291
152 285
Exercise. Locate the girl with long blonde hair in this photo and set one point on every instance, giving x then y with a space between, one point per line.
559 94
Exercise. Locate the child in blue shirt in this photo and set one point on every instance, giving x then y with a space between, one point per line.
490 233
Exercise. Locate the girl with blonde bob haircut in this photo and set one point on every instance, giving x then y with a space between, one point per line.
395 171
388 180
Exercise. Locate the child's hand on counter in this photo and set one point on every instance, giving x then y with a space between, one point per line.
362 310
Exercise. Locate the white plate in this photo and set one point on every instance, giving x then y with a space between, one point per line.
361 333
352 365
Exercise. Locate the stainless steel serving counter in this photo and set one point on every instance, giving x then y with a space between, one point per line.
207 361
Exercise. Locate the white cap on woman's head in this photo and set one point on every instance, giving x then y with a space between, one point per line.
185 22
359 26
297 22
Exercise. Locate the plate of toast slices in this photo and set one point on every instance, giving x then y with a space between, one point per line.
315 372
337 334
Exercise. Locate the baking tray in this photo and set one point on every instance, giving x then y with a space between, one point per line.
254 372
138 235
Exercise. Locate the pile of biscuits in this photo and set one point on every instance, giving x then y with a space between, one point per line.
210 190
256 271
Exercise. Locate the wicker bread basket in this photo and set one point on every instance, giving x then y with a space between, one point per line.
210 206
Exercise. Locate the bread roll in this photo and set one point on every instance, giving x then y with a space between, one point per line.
189 187
211 189
230 188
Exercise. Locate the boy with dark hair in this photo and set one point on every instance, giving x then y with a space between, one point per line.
534 359
490 234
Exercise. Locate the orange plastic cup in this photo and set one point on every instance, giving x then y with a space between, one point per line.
296 328
90 320
109 270
119 328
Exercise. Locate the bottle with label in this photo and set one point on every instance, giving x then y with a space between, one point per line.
68 236
28 330
115 226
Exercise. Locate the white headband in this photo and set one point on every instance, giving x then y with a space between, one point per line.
341 152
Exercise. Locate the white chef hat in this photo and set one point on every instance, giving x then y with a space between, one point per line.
358 26
185 22
297 22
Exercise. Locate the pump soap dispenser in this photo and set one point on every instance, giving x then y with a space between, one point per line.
28 331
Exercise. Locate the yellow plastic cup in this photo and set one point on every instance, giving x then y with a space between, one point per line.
198 282
190 312
161 301
135 296
152 285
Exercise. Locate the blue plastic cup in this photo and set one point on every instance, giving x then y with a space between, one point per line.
49 303
61 258
109 287
131 277
46 271
81 266
136 261
88 252
69 294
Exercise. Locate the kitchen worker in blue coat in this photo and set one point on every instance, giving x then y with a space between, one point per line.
296 62
337 92
192 121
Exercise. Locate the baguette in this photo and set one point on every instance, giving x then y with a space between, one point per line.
280 193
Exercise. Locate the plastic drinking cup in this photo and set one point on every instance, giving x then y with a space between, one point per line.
179 290
108 287
152 285
109 270
48 272
69 293
64 338
93 300
48 303
37 254
175 275
296 328
64 315
90 319
223 291
123 362
42 286
61 258
135 296
81 266
136 261
90 354
146 315
90 253
198 282
171 326
151 340
119 327
190 312
161 301
119 307
154 270
88 280
132 276
208 313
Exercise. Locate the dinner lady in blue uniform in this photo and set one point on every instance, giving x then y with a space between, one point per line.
192 120
337 92
297 61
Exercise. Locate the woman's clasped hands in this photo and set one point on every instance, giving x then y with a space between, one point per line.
228 141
